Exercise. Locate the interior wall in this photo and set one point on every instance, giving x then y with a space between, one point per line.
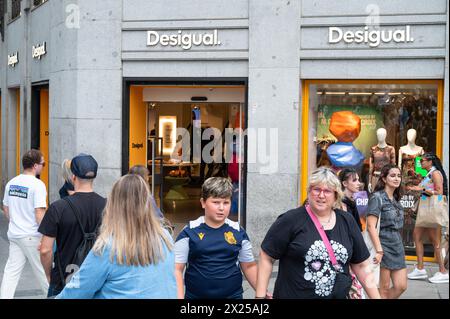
44 135
138 127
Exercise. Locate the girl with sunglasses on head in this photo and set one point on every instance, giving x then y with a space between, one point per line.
434 183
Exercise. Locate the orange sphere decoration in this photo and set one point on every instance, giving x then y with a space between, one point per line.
345 126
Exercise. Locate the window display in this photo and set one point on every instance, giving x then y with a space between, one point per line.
380 155
367 124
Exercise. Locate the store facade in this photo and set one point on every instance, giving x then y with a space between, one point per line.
120 72
388 71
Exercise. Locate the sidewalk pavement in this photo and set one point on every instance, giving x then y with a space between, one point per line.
29 289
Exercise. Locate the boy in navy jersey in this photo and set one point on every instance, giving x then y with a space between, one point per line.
214 249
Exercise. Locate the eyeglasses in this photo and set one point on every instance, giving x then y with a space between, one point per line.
424 159
315 191
43 164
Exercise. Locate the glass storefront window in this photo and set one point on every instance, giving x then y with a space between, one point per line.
336 139
15 9
37 3
2 18
183 143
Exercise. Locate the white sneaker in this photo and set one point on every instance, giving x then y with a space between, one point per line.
439 278
418 274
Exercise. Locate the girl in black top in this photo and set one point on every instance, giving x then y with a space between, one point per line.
350 185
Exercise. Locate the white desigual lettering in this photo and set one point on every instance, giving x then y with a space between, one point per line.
184 40
371 37
13 59
38 51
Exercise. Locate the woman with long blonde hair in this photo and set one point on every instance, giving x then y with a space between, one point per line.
132 257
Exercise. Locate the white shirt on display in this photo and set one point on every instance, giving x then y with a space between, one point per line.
23 194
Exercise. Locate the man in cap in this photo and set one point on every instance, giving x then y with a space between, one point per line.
62 223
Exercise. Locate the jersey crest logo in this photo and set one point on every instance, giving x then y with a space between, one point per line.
229 237
201 235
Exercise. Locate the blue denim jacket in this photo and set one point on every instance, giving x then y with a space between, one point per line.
99 278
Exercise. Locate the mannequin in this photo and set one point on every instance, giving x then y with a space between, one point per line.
380 155
406 157
410 200
410 149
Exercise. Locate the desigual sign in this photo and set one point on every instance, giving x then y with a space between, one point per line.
184 40
13 59
38 51
373 38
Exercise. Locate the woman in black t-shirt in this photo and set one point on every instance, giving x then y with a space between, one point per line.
305 269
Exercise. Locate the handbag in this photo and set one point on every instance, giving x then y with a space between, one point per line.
374 268
432 212
343 281
356 290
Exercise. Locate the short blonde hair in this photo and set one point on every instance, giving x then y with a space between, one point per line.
325 176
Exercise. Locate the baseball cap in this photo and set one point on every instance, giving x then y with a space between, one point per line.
84 166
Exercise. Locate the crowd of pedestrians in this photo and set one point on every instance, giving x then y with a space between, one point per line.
86 246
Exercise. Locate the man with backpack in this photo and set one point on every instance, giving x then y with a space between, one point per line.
73 222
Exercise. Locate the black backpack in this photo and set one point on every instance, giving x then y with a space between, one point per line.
82 250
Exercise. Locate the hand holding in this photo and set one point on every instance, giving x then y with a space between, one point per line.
378 257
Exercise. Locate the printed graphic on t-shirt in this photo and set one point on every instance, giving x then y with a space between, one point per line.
18 191
318 266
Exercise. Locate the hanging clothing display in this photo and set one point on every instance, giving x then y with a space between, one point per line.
409 175
410 199
380 157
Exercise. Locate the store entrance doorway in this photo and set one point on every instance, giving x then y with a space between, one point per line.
185 135
40 126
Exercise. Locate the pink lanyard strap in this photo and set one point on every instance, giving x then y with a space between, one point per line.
324 237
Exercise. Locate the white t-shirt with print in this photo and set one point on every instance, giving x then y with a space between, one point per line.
23 194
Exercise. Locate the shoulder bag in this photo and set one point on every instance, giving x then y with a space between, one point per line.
343 280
